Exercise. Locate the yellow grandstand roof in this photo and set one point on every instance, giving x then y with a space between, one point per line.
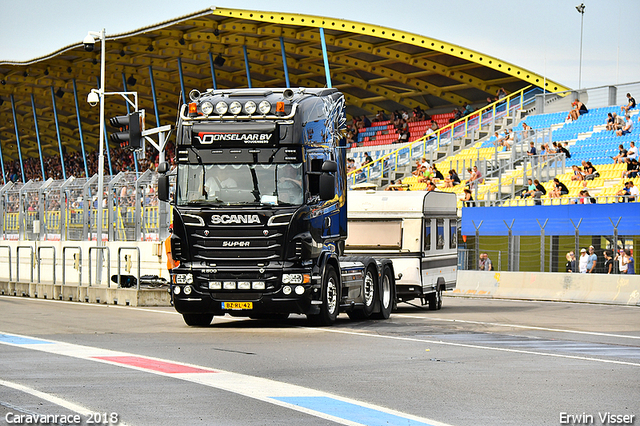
377 68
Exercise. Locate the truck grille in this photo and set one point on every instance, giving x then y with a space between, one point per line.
224 247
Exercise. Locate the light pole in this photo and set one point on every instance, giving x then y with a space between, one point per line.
89 42
580 10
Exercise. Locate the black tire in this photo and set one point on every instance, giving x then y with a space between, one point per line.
386 294
435 300
197 320
330 307
369 295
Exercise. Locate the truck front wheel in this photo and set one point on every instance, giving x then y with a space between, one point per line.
330 299
435 300
198 320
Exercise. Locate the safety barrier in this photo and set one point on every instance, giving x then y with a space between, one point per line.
39 261
18 261
64 264
9 251
137 249
99 265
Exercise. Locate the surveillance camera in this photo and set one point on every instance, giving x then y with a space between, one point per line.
88 43
93 99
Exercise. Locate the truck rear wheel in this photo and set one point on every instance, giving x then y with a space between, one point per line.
198 320
369 295
435 300
385 294
330 299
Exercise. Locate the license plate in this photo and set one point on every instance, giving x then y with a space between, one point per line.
237 305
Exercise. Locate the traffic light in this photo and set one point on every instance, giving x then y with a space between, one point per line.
130 134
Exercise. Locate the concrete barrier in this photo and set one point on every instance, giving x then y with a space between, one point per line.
93 294
591 288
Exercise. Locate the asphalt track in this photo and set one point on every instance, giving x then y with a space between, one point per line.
475 362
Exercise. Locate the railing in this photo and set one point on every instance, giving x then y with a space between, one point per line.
442 136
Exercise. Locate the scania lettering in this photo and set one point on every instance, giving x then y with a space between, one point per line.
260 210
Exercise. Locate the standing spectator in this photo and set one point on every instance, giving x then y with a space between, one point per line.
628 127
532 149
570 266
632 104
367 159
628 260
622 266
593 260
501 93
608 263
488 266
583 261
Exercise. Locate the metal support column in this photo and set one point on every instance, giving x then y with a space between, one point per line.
325 57
510 248
213 73
577 244
616 265
184 94
246 66
35 122
4 181
106 139
55 118
84 154
477 244
135 157
542 245
15 125
284 63
155 99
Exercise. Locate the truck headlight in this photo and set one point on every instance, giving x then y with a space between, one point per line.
244 285
250 107
222 108
299 290
184 278
286 290
292 278
215 285
264 107
207 108
235 108
258 285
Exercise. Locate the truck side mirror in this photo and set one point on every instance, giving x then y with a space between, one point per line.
163 167
163 187
327 186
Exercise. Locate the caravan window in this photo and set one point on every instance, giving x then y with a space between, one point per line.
427 234
453 233
440 235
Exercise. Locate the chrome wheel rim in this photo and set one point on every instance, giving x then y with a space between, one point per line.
369 289
386 291
332 296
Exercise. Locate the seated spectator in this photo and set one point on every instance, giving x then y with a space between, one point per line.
628 127
490 100
367 159
434 125
610 121
403 132
578 109
437 175
351 165
526 130
426 176
539 192
632 152
529 189
475 178
431 186
578 173
618 121
634 194
585 198
457 115
452 179
559 190
508 139
632 104
366 121
624 193
622 155
467 199
590 171
380 116
632 169
467 109
553 149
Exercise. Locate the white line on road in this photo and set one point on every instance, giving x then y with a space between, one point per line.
527 327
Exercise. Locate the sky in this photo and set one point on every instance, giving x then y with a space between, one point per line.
542 36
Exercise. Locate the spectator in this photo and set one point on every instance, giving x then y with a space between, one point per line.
610 121
532 149
380 116
564 149
526 130
365 121
624 193
452 179
475 178
529 190
593 260
590 172
632 152
618 121
467 198
434 125
622 155
570 266
403 132
539 192
583 261
633 192
632 104
632 169
437 175
507 140
485 263
467 109
608 263
628 261
431 186
367 159
586 198
620 258
501 93
457 115
628 127
559 190
351 165
578 174
578 109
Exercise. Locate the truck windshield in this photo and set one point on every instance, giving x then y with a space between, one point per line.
229 184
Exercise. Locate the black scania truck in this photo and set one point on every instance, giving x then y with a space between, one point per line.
260 210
